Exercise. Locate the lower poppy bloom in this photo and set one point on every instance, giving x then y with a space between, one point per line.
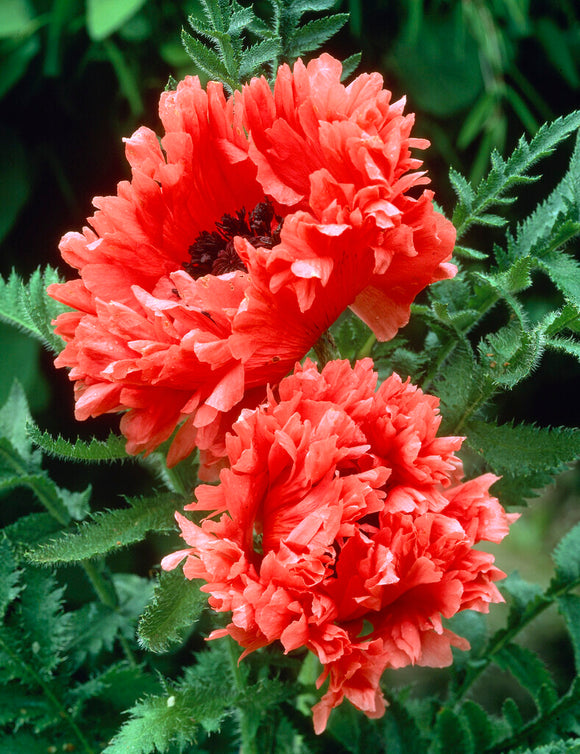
245 231
342 525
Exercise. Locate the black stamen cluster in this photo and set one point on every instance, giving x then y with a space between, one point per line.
213 252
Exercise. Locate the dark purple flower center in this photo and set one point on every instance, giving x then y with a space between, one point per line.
213 252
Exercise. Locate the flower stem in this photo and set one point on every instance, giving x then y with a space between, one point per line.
246 727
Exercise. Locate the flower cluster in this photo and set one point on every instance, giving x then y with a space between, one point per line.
245 231
342 525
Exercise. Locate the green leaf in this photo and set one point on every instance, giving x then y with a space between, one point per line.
512 353
9 576
569 607
460 386
42 621
527 668
96 451
564 272
16 179
109 530
479 724
207 60
315 33
528 457
157 722
28 306
14 416
176 605
22 741
107 16
522 592
452 734
256 56
506 174
349 65
512 714
401 729
14 16
566 557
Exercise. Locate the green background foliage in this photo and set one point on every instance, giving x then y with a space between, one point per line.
75 77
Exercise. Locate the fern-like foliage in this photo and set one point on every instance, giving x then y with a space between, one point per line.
232 44
475 204
21 464
27 306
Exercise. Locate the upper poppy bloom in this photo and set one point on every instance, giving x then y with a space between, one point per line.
342 526
241 237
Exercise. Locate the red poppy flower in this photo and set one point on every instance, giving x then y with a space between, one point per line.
241 237
342 526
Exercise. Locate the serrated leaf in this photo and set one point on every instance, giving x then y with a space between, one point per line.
522 592
527 668
9 576
120 685
479 724
157 722
42 622
315 33
207 60
256 56
94 628
28 306
111 449
401 729
176 605
452 734
569 607
512 353
564 272
14 415
108 531
512 714
349 65
526 456
506 174
566 557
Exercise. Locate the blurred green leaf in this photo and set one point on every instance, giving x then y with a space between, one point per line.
14 59
14 15
15 178
441 70
106 16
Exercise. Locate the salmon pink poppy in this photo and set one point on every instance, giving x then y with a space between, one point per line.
343 526
245 231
